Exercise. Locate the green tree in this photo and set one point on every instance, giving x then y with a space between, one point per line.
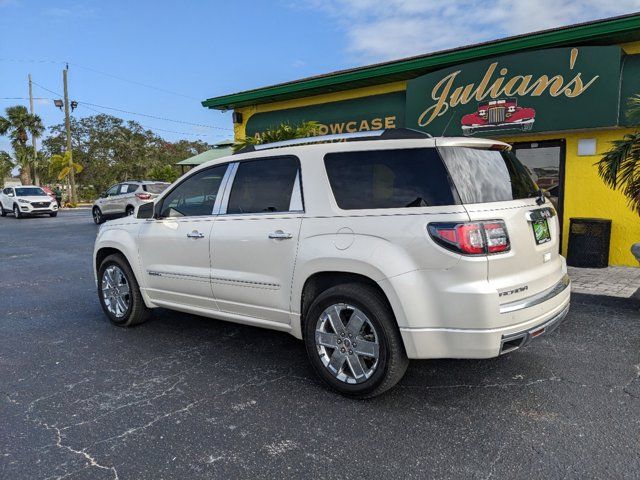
284 131
112 150
18 124
6 165
620 166
166 173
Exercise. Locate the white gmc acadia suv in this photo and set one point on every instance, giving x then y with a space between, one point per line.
374 251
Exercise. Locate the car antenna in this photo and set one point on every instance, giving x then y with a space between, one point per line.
447 125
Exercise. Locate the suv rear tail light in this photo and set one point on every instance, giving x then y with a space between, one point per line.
143 196
471 238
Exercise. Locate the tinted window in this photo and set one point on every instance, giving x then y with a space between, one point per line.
196 195
488 175
29 192
155 187
389 179
263 186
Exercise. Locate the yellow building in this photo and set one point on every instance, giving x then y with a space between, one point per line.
559 96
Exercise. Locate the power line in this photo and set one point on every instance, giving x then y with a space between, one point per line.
24 98
183 122
107 74
165 130
155 117
134 82
18 60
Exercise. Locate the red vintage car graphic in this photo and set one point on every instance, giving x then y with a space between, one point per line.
500 114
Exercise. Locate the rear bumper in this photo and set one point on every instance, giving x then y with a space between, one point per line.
542 317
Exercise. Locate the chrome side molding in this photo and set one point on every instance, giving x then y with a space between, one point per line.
537 298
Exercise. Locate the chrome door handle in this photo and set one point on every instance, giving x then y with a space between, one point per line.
195 234
280 235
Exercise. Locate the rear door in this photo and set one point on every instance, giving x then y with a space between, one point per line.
255 239
494 185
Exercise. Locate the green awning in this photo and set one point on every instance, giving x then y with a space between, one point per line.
206 156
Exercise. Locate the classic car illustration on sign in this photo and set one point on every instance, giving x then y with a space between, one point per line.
500 114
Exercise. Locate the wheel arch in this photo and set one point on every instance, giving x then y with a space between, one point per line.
320 281
121 241
110 248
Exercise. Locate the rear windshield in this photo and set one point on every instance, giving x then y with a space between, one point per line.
155 187
488 175
389 179
29 192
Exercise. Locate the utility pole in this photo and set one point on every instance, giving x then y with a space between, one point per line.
33 139
72 181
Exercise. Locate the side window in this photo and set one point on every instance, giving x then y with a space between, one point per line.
196 195
129 188
265 185
113 190
389 179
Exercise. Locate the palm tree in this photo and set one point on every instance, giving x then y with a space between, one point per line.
284 131
6 165
620 166
60 166
18 124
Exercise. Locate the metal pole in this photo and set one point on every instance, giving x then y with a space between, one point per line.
72 181
33 139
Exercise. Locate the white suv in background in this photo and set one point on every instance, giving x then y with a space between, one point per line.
393 247
26 200
123 198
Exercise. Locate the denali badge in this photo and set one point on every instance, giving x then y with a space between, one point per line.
515 290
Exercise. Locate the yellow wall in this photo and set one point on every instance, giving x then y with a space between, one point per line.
631 48
586 195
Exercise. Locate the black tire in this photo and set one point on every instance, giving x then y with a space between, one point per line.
129 210
392 359
16 211
137 312
54 214
3 213
98 218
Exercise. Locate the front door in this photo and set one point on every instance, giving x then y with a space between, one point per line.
545 161
107 204
174 249
255 239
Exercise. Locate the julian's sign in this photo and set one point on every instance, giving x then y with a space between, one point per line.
545 90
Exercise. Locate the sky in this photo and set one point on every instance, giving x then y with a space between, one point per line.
157 60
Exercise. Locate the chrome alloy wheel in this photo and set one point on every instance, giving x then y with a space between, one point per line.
115 291
97 216
347 343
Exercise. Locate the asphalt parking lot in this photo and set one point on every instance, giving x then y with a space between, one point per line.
187 397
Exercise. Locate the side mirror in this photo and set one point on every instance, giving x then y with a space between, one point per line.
146 210
103 195
10 194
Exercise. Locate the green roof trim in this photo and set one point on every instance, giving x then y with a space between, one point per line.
207 156
618 29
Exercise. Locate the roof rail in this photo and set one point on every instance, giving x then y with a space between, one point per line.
389 134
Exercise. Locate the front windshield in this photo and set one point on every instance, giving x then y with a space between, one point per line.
29 192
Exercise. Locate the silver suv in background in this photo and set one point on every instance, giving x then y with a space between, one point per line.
123 198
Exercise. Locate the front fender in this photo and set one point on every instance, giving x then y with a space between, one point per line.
122 239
